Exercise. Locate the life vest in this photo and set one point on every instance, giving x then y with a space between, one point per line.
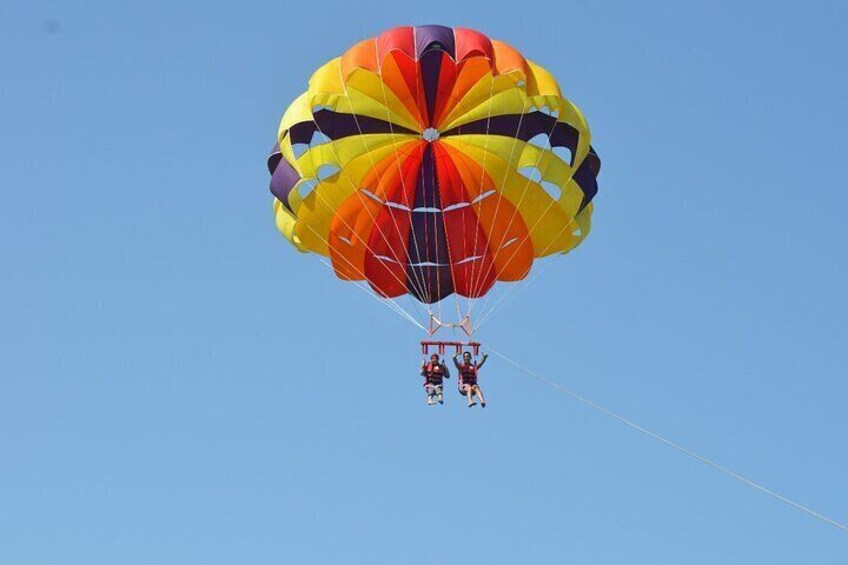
468 373
435 373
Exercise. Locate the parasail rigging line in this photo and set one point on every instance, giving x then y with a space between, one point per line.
664 440
641 429
388 303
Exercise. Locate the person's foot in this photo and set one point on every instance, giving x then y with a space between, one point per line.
470 404
430 401
482 405
441 400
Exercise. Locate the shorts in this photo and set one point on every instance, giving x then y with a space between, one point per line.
433 389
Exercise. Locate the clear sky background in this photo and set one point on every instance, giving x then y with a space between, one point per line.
179 385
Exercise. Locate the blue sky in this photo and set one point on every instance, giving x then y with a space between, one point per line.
178 385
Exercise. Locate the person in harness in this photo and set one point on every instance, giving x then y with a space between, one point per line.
468 371
434 374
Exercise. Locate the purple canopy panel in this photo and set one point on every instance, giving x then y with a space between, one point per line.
427 35
283 181
428 241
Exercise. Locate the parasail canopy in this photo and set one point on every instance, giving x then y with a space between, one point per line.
430 161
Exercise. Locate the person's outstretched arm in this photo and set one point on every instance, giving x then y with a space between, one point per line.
485 356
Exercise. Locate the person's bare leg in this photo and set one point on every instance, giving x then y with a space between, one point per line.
469 392
480 396
440 395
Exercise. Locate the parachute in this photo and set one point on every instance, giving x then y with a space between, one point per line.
432 162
